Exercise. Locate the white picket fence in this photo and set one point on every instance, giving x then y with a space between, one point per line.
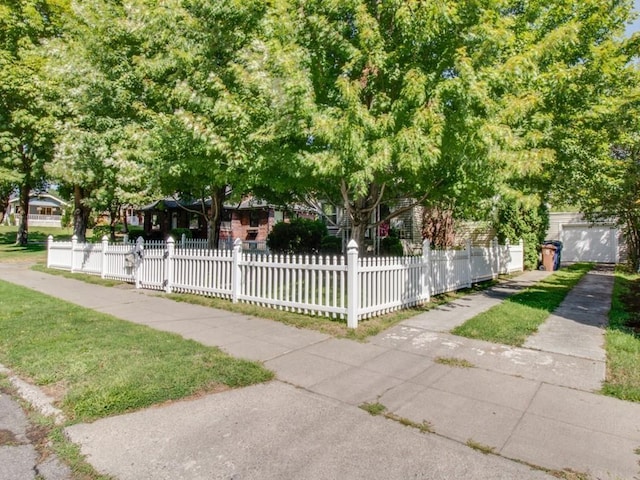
338 286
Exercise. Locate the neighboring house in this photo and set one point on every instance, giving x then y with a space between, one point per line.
250 220
481 233
408 226
586 242
45 210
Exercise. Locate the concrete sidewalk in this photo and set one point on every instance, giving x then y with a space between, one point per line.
535 405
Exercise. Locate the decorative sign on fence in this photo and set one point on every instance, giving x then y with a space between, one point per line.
346 287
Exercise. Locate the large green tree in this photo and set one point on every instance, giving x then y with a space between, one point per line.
440 102
208 107
552 89
28 101
397 112
591 101
598 165
98 157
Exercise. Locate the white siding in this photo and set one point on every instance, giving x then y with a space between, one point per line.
583 241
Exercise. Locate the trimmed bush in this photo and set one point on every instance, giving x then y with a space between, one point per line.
391 245
135 232
176 233
331 245
300 236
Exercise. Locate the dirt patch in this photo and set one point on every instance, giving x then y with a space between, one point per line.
8 438
38 436
57 390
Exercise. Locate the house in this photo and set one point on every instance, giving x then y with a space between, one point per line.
408 227
250 220
584 241
45 210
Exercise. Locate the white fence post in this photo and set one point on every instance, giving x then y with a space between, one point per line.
426 269
507 257
521 243
183 240
139 263
236 280
103 256
125 238
168 259
74 242
49 243
496 257
469 263
353 293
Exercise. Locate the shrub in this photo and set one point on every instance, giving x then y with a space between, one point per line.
331 245
391 244
517 220
100 231
67 218
297 237
176 233
135 232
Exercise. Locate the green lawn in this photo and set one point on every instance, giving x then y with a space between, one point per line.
512 321
623 339
98 365
36 250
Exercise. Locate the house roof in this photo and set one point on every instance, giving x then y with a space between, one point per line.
42 199
45 202
250 203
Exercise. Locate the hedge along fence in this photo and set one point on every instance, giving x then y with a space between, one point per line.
346 287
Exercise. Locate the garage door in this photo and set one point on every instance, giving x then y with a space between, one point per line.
582 243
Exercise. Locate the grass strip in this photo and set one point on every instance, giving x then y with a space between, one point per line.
97 365
335 327
520 315
92 279
622 339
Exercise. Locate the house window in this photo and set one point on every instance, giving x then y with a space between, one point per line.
44 210
330 213
254 219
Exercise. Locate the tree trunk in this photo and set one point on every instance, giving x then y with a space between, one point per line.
214 220
125 222
360 210
358 233
113 221
4 206
632 235
23 230
80 214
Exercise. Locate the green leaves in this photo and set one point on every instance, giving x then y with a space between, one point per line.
28 97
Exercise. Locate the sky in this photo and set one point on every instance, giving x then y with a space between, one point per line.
635 26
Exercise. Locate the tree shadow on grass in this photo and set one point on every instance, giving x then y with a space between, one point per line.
37 239
629 322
